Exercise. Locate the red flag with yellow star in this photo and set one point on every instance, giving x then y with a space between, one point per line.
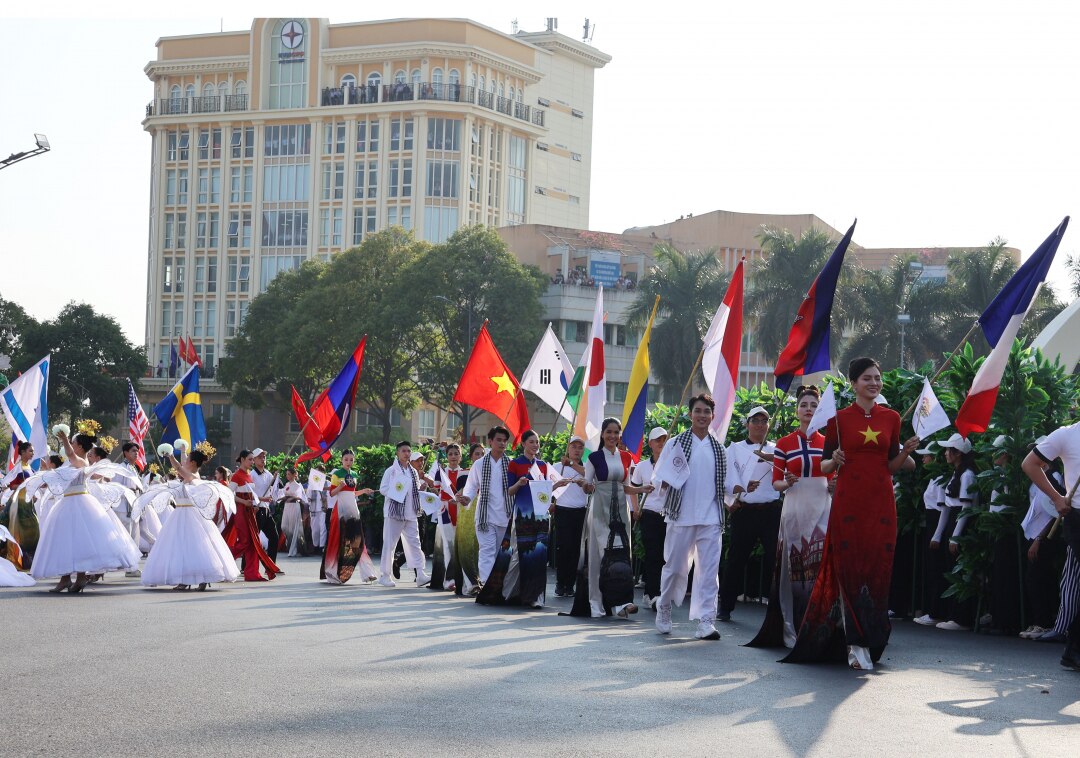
487 383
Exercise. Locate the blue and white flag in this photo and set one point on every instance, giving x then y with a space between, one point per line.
25 403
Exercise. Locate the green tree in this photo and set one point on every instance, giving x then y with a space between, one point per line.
1072 264
13 324
91 362
882 296
471 278
778 282
691 287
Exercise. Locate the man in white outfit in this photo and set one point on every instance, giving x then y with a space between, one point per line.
488 482
691 474
316 492
400 489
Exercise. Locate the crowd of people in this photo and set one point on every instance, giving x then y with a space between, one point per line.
822 506
580 278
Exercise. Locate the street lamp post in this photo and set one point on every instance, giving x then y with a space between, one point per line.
42 146
914 271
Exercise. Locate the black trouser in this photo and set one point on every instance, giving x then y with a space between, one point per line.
268 526
939 562
653 532
568 525
1041 582
749 524
1006 596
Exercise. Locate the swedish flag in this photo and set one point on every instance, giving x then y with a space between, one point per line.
180 412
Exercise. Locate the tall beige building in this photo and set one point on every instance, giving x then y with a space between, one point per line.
299 138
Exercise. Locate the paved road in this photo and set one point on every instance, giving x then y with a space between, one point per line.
295 667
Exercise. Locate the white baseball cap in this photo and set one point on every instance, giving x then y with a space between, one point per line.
958 443
757 409
417 455
926 450
657 432
257 452
574 438
1001 442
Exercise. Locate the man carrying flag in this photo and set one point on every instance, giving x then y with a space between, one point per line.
180 412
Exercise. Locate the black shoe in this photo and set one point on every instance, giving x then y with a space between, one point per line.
1071 659
724 616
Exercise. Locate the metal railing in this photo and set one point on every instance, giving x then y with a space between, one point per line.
177 106
399 92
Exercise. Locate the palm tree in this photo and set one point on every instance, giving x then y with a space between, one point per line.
778 283
1072 263
883 295
691 287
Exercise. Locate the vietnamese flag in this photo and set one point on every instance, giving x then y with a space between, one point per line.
488 384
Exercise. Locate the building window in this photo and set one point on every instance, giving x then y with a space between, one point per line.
242 142
367 136
330 227
166 275
333 184
364 222
442 179
616 392
288 182
444 134
374 80
287 139
401 133
439 223
241 180
272 265
288 65
425 423
348 81
204 144
239 273
366 186
284 228
334 143
239 229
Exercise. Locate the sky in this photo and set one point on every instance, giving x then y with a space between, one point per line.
935 124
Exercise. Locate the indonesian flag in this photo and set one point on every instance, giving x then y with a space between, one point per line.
723 347
1000 323
590 411
487 383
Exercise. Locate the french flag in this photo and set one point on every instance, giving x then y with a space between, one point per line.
1000 323
807 349
723 349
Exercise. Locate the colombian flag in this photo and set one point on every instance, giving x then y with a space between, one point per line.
180 412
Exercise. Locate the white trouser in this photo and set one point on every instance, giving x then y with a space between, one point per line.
318 528
488 540
409 533
685 546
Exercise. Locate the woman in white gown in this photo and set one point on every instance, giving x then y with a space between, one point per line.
292 522
81 536
190 549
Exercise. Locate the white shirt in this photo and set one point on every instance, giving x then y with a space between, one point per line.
1064 443
294 489
933 496
744 466
643 472
571 495
262 482
496 500
968 492
387 488
699 504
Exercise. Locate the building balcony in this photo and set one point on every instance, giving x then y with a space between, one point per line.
178 106
401 92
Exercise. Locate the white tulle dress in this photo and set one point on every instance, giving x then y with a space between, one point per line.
80 533
9 575
189 549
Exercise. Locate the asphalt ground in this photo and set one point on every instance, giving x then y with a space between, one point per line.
298 667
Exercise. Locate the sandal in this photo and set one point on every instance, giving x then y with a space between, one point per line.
203 586
182 588
63 584
79 584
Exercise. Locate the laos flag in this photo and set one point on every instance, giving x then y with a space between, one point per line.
331 410
807 349
1000 323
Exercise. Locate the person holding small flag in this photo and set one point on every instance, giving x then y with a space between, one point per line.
803 523
649 512
570 506
400 487
848 609
488 483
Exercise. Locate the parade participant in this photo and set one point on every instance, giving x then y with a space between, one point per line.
960 494
692 475
1005 593
444 567
608 465
10 576
488 484
649 513
346 554
81 537
803 522
848 607
400 488
264 482
753 510
526 578
144 530
247 545
221 516
1063 443
569 509
933 574
292 516
18 515
466 546
190 549
317 506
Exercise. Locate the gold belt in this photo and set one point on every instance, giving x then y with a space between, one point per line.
80 492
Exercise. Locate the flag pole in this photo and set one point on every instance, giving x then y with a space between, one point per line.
686 390
558 415
944 366
1068 501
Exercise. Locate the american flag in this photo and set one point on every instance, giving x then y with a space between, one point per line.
138 424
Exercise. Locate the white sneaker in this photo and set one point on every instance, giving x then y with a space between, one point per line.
858 657
952 626
386 581
1033 632
706 630
927 620
663 618
422 579
649 602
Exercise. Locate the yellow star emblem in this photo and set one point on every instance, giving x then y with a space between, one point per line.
504 383
869 435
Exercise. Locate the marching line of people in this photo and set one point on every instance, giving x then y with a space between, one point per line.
822 506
